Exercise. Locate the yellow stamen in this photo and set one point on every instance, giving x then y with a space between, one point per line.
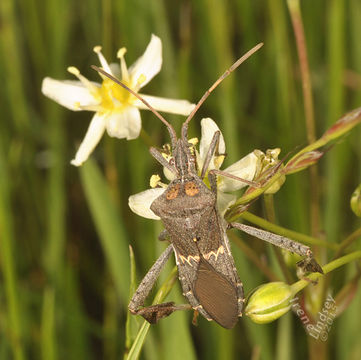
193 141
103 62
154 180
73 70
121 52
94 90
123 65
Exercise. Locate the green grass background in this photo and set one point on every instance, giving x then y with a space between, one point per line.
65 231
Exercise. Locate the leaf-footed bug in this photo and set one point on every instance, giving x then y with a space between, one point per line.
196 231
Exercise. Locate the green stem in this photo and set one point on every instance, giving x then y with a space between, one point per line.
296 17
295 11
347 242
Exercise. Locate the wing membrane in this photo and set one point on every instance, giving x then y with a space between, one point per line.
217 295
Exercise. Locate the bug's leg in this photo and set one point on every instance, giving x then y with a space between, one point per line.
213 182
256 184
211 151
213 147
159 157
309 264
155 312
225 174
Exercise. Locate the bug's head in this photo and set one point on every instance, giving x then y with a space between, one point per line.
184 158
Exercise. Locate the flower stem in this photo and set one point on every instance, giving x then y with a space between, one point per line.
296 17
347 242
295 12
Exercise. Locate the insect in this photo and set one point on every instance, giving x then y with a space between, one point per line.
196 231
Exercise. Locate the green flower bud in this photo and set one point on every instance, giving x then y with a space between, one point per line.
269 302
265 162
356 201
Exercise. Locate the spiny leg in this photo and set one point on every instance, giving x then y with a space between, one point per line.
234 177
256 184
155 312
309 264
159 157
211 151
213 182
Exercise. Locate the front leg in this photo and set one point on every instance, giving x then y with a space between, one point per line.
309 264
155 312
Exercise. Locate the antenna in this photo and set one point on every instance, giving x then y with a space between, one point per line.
220 79
170 128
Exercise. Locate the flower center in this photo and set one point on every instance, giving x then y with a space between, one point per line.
114 97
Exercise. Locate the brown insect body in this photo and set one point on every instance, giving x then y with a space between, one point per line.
206 267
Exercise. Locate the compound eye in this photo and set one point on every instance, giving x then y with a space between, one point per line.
191 188
172 193
171 161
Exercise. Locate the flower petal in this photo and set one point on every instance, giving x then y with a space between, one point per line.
172 106
244 168
69 93
224 201
91 139
149 63
209 127
140 203
124 124
169 174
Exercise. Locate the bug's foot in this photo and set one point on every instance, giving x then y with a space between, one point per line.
154 313
308 265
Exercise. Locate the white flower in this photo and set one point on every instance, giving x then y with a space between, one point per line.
116 110
245 168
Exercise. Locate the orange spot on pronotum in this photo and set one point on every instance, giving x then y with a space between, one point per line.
191 188
172 193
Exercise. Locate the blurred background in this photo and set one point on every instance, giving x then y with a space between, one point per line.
65 231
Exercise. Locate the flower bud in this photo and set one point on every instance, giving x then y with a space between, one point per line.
356 201
269 302
265 162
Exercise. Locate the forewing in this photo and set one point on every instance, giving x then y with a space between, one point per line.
217 295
